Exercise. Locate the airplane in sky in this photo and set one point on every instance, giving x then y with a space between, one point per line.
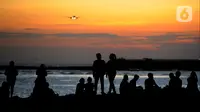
74 17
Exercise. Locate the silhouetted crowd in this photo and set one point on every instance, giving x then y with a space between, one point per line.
41 89
101 68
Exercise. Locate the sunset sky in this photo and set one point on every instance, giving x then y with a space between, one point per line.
40 31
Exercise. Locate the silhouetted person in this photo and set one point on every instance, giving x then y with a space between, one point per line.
89 86
133 86
4 91
41 88
171 87
124 86
11 73
111 72
172 81
80 87
48 92
43 91
192 82
99 72
41 74
150 83
133 82
178 81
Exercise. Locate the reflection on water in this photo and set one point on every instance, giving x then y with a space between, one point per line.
66 83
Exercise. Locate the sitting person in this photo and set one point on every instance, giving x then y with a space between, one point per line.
124 86
80 87
43 91
178 81
41 75
4 91
89 87
192 80
133 84
150 84
172 81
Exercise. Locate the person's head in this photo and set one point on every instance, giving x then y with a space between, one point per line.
42 66
178 74
98 55
11 63
150 75
136 77
125 78
112 56
82 81
89 80
171 75
193 74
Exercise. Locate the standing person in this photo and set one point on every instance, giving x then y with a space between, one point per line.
11 73
111 72
99 72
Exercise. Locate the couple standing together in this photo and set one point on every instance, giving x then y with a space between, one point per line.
100 68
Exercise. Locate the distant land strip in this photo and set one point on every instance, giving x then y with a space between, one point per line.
134 65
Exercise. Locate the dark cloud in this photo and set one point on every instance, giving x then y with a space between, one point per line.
86 35
20 35
69 25
173 36
181 50
31 28
67 35
167 36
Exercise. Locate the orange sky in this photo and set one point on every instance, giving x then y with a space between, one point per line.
39 31
119 17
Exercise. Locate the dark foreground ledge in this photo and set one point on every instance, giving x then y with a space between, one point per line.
102 103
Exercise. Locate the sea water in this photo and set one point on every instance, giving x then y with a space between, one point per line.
64 82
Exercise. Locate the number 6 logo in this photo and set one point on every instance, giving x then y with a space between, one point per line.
184 14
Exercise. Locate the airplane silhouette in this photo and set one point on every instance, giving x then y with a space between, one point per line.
73 17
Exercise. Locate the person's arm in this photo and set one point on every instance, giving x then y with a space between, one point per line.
104 67
6 72
107 68
145 84
155 83
77 89
196 78
45 73
17 72
180 82
37 72
94 68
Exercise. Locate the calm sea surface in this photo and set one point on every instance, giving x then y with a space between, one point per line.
64 81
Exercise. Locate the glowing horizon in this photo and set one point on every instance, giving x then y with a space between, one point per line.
115 24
